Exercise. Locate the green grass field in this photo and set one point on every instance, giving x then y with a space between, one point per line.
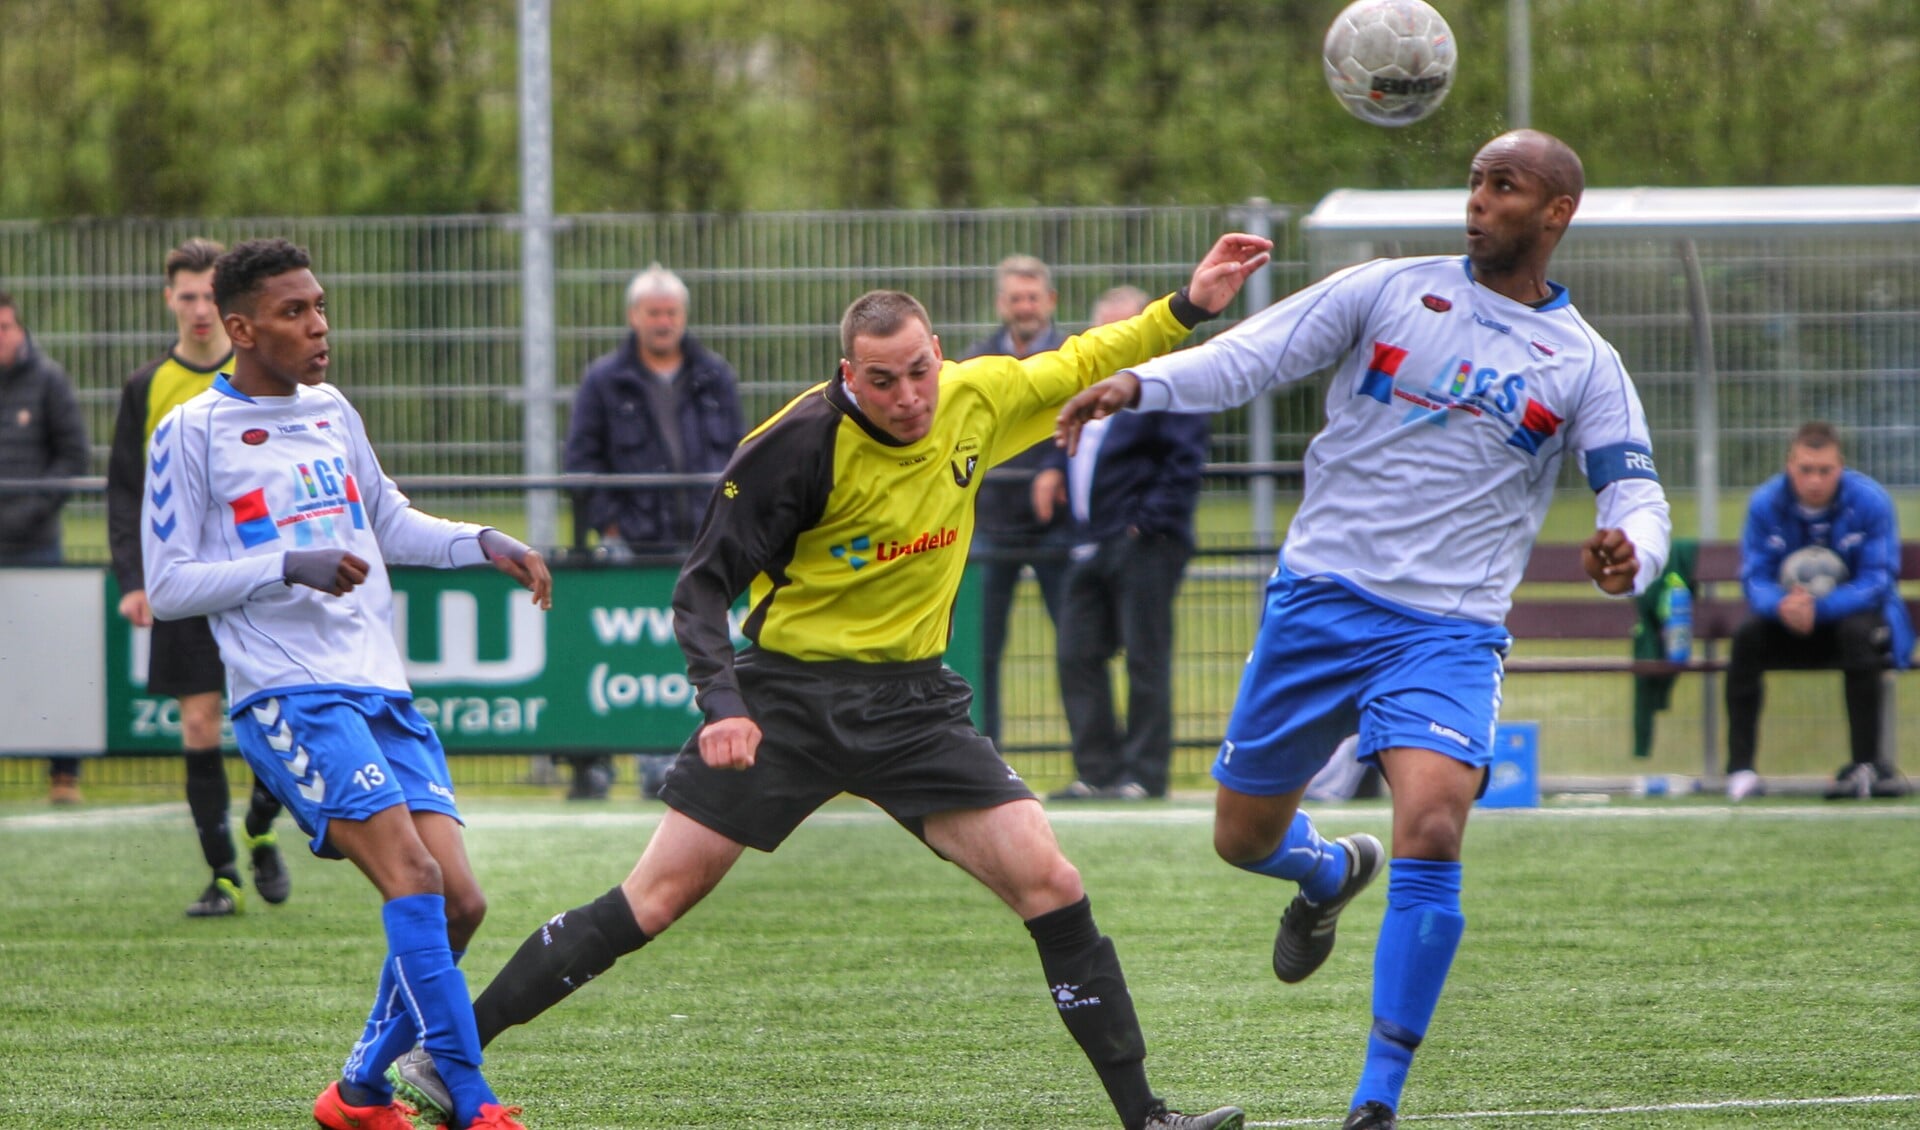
1672 965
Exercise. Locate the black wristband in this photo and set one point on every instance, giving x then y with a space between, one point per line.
1183 308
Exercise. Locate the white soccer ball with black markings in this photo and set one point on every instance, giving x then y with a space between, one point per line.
1814 568
1389 62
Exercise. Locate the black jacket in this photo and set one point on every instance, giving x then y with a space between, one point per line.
1003 510
616 428
42 436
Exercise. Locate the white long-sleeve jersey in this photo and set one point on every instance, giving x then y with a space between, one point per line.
1447 418
233 483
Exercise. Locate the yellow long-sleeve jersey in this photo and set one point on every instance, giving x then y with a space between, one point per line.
850 543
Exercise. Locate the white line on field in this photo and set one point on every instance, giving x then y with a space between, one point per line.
503 814
1650 1108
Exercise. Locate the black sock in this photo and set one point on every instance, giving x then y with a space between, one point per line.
262 807
1083 975
565 953
207 799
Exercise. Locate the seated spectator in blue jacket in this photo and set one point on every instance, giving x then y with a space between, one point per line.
661 403
1132 489
1844 613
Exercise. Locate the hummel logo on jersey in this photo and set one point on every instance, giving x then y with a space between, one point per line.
1435 303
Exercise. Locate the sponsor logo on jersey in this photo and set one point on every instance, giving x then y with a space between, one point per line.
254 437
851 552
252 521
925 543
291 429
1435 303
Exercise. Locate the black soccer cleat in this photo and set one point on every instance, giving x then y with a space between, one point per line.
1371 1115
1225 1118
270 876
1889 782
221 898
1306 929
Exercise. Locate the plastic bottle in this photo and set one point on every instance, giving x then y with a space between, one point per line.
1676 636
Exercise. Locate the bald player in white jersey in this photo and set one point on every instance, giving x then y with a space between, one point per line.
1459 386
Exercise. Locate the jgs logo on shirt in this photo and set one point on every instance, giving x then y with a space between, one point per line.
324 494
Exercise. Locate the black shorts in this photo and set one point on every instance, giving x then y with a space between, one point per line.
896 734
183 659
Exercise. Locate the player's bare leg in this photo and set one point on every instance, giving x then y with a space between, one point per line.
1011 848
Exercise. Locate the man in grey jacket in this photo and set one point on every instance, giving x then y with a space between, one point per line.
42 436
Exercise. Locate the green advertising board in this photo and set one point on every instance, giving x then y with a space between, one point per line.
601 671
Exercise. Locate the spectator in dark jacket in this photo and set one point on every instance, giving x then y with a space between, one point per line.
1132 487
662 403
42 436
1847 615
1009 535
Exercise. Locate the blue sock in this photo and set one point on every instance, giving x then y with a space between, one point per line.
427 981
1318 865
390 1031
1421 930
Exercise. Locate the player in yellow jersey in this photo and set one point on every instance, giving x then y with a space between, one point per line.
183 660
846 518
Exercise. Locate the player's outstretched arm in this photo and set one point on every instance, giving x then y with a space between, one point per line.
1609 558
520 561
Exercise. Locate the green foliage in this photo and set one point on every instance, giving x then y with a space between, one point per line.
1666 966
197 108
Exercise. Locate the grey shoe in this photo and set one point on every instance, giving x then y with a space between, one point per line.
1889 782
1371 1115
417 1083
1078 790
221 898
270 875
1126 790
1853 782
1225 1118
1306 929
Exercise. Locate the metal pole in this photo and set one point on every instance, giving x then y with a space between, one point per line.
1258 296
536 263
1519 65
1706 462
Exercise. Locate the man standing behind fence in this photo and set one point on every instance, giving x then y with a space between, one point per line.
1010 533
1132 486
184 659
662 403
42 436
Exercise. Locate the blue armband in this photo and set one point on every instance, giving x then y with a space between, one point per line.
1618 461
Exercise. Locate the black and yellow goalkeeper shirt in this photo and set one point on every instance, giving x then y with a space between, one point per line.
149 394
850 543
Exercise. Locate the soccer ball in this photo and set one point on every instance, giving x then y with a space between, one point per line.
1389 62
1814 568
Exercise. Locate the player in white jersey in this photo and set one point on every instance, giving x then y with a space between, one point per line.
267 511
1459 386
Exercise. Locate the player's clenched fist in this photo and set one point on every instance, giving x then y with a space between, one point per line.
729 743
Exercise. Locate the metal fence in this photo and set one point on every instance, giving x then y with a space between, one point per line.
427 335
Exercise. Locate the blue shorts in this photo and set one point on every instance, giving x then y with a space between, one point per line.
344 755
1329 662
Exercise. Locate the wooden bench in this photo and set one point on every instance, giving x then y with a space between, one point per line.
1718 611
